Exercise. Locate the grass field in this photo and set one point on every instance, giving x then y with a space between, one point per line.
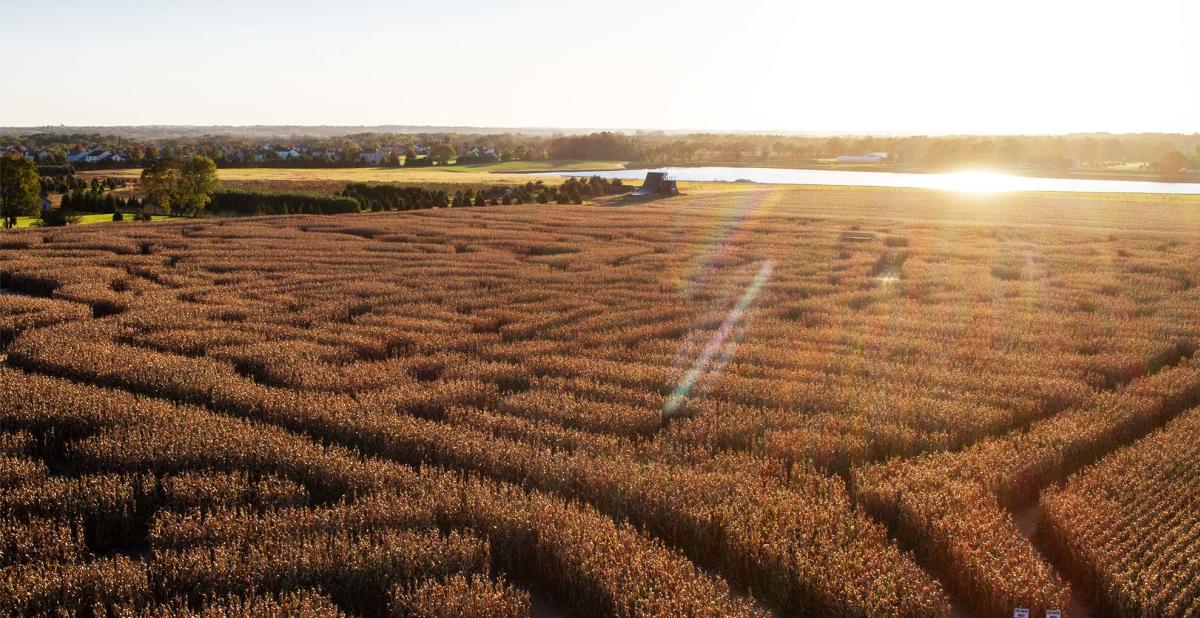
496 173
86 219
741 401
568 165
329 181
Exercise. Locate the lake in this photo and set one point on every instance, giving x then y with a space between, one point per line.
965 181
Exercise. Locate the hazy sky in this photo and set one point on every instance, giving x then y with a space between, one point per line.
918 66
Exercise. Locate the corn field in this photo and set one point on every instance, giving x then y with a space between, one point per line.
815 402
1130 525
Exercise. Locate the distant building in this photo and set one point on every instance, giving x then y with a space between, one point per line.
290 153
96 156
374 158
657 183
482 153
871 157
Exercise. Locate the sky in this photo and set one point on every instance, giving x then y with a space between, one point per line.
856 67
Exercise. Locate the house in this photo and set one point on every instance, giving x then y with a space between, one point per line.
119 157
96 156
374 158
77 157
871 157
482 153
290 153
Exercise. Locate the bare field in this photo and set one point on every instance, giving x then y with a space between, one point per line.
741 401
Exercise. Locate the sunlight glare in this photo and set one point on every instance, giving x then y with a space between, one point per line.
976 181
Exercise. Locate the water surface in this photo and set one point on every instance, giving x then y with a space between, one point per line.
970 182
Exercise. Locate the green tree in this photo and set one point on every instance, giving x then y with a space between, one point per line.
19 189
197 182
180 185
443 153
160 182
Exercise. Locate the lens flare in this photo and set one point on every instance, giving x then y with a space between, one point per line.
721 345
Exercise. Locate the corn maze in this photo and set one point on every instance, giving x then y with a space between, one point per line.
737 403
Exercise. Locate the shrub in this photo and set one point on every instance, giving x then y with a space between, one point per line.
262 203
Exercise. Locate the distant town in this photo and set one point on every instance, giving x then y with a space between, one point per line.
1109 153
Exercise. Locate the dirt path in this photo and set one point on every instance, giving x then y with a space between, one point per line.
543 607
1026 520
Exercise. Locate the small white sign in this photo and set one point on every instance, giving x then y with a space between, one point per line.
1020 612
1054 613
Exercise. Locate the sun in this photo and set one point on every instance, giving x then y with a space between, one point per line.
979 181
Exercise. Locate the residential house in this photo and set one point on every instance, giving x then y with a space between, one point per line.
377 157
872 157
482 153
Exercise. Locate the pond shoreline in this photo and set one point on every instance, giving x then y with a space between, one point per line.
965 181
1077 174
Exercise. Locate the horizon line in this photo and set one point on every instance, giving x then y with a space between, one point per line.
442 128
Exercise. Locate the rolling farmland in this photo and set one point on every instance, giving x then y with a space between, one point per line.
332 180
739 402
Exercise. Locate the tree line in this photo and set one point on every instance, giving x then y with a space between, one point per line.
380 197
188 186
1158 152
281 203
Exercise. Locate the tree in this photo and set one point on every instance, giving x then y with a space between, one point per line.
160 181
197 182
182 185
57 217
19 189
1171 162
442 153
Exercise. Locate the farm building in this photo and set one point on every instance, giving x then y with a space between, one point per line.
871 157
657 183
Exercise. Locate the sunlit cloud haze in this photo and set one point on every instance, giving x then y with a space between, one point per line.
922 66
